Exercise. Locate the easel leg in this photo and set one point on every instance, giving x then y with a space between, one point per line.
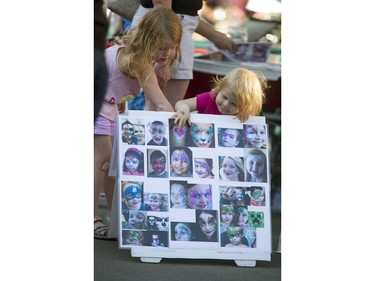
113 224
246 263
151 260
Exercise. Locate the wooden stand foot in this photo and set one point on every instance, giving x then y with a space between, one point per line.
247 263
151 260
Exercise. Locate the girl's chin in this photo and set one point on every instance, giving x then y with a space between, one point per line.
162 62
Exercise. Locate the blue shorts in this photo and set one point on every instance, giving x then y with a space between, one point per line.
104 126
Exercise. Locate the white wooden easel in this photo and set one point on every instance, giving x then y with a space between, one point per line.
156 254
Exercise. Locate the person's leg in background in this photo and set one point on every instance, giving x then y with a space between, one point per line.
102 156
103 142
100 68
100 80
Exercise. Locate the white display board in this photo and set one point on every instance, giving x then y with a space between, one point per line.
199 192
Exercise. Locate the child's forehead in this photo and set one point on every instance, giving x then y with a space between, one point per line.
202 126
177 186
158 158
161 126
168 43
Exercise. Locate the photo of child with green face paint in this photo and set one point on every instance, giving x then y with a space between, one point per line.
235 234
257 196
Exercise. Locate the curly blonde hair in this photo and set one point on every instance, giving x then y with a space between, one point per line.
143 41
248 89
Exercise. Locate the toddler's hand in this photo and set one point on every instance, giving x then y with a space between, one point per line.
243 118
181 117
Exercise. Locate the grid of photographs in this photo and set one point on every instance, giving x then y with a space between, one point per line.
200 186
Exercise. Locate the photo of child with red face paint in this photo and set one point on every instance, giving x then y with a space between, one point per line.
157 167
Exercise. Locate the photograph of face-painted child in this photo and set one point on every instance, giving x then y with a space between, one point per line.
181 162
231 168
133 164
132 238
135 220
156 202
157 163
132 195
157 131
182 231
178 194
255 136
202 135
207 225
229 137
255 165
199 196
203 168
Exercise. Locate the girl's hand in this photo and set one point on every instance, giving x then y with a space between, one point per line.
222 41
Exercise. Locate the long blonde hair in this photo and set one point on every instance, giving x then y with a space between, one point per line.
143 41
248 89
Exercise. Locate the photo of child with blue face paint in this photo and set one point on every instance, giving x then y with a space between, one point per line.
132 195
202 135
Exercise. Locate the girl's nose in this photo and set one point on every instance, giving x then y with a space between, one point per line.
167 52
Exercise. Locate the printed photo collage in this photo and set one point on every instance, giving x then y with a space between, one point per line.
201 186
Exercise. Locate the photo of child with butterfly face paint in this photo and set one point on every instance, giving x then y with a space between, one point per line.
255 136
203 168
229 137
181 162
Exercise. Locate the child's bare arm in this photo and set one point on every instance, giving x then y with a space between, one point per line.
155 95
183 109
